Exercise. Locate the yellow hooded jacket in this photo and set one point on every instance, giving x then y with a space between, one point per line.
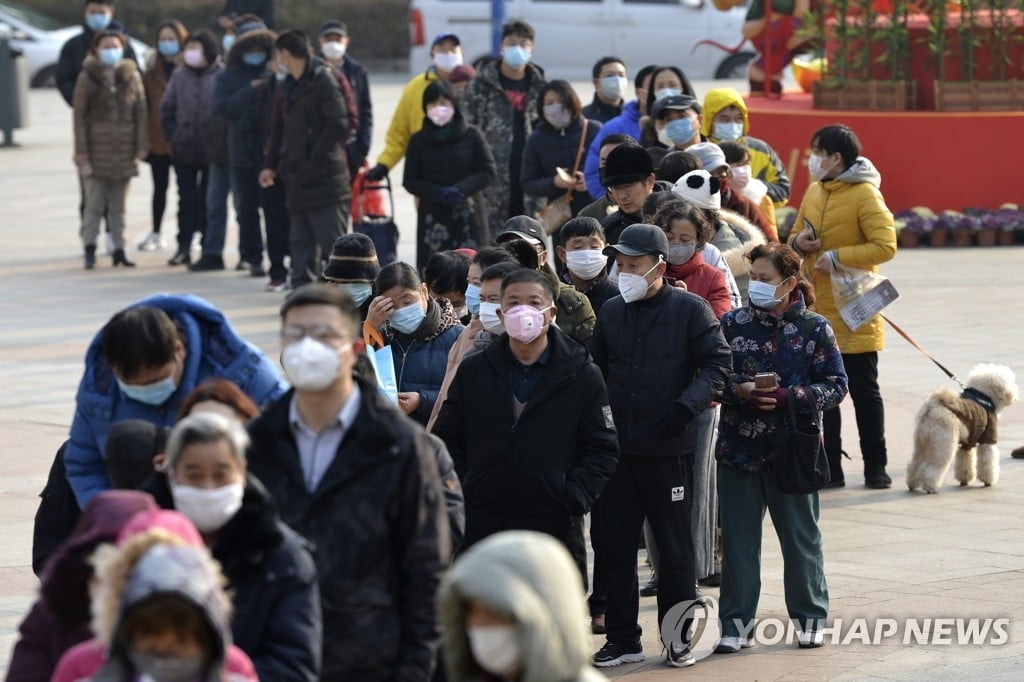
407 119
850 217
765 164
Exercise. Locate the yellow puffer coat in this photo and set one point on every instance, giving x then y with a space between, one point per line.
850 217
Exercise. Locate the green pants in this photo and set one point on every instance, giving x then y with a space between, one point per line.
743 497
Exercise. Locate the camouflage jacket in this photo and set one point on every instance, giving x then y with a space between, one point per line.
488 108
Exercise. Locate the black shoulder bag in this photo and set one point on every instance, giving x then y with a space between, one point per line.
801 466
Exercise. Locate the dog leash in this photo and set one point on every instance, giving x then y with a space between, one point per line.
916 345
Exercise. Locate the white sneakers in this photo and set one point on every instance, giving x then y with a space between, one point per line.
152 242
730 645
811 639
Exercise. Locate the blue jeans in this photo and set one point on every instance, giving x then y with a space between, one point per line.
193 183
216 211
245 188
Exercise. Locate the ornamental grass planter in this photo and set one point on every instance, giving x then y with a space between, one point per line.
938 237
979 95
866 95
909 240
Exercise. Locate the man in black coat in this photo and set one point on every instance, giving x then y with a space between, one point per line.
528 424
334 42
360 480
664 358
307 147
629 178
99 16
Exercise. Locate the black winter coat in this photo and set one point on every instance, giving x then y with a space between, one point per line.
236 100
359 146
314 129
550 465
73 54
264 9
434 160
56 516
664 359
378 522
547 149
272 582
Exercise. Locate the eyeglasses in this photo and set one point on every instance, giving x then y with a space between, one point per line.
321 333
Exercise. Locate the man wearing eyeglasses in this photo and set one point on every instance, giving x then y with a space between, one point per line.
360 481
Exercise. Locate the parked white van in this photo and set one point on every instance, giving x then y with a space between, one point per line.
573 34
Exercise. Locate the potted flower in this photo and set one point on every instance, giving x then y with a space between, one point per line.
912 225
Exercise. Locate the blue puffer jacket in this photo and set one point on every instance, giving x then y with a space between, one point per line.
626 123
421 363
212 349
801 348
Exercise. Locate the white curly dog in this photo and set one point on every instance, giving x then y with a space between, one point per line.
951 425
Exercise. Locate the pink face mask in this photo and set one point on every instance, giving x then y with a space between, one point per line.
524 322
195 58
440 115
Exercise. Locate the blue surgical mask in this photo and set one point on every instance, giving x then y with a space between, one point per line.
613 87
111 55
255 58
473 299
359 291
168 48
516 56
678 131
407 319
762 294
154 394
666 92
97 21
227 41
727 132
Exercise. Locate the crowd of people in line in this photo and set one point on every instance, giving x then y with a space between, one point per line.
408 499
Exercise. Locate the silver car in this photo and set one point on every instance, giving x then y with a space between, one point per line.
40 38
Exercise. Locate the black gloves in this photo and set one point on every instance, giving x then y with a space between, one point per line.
377 173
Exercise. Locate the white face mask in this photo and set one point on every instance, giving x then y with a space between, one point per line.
310 365
496 649
208 508
489 318
815 168
587 264
446 61
333 50
613 87
633 287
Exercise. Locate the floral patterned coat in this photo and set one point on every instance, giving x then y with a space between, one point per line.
801 348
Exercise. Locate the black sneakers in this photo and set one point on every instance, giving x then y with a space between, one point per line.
207 264
617 653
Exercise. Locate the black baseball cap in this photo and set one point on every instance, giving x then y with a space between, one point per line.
446 36
640 240
334 26
521 227
679 102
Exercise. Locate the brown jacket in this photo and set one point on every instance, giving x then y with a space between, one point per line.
979 422
110 119
154 78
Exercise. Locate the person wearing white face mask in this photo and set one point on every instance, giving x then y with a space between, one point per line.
334 45
503 101
420 329
844 220
539 385
581 243
553 157
331 452
510 610
270 568
445 55
447 168
611 85
663 355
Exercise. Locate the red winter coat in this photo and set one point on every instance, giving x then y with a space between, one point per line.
704 280
86 659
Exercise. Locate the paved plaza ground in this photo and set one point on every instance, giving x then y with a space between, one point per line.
888 554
